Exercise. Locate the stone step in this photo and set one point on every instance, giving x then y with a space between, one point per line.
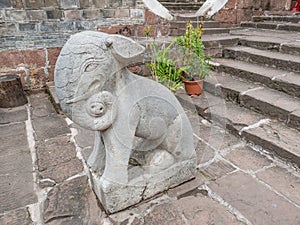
271 43
263 57
273 26
207 31
264 100
206 24
270 135
277 18
182 5
281 80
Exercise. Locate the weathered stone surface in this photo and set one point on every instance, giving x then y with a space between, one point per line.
16 217
72 15
151 121
51 3
276 138
34 4
12 115
189 186
254 200
68 4
165 214
294 119
16 183
84 138
268 58
49 127
72 202
36 15
270 102
201 209
27 27
54 14
40 105
54 152
247 159
5 4
204 152
13 59
62 171
282 181
217 169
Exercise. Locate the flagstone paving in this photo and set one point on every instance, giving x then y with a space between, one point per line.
44 177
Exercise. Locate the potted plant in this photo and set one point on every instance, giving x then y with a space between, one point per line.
192 59
163 68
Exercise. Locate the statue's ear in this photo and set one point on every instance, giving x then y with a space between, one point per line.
125 50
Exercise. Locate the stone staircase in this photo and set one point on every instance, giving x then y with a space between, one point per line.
182 5
255 89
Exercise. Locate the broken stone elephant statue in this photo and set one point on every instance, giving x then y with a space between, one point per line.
144 140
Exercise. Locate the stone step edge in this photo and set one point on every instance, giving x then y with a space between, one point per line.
240 131
243 53
292 27
50 89
273 82
273 18
282 47
290 118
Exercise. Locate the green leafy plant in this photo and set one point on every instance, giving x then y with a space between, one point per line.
192 59
147 30
163 68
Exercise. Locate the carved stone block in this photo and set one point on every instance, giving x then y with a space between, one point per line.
144 141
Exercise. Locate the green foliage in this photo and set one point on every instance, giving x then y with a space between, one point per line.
163 68
193 60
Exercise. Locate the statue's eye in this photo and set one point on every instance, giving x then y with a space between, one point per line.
90 67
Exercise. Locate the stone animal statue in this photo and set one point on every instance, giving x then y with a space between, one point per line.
133 117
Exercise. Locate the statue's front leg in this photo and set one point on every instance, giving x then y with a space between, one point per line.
117 157
96 160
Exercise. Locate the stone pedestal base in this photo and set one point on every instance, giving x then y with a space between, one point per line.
115 196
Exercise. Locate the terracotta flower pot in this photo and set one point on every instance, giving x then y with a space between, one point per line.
193 87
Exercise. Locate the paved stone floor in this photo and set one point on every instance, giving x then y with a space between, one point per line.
44 179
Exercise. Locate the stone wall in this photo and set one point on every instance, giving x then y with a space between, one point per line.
236 11
32 32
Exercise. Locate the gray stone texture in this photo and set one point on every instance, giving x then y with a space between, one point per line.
16 183
5 4
151 123
72 202
16 217
255 201
12 115
282 181
49 127
69 4
247 159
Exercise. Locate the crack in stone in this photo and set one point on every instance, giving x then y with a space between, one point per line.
250 90
255 125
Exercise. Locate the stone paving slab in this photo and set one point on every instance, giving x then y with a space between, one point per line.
49 127
283 181
255 201
247 159
16 217
13 115
72 202
222 156
16 169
